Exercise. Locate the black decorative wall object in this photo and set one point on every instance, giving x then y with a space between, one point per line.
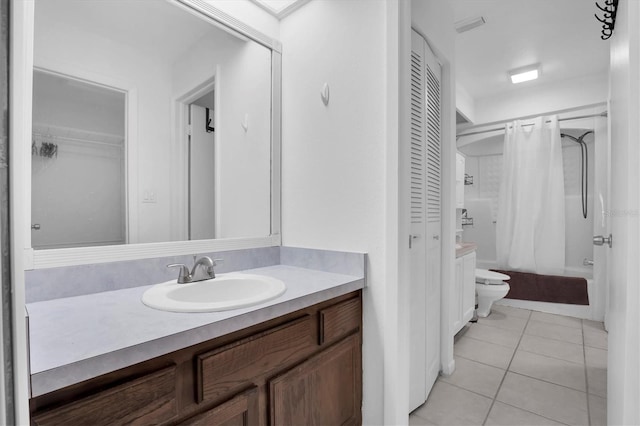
608 18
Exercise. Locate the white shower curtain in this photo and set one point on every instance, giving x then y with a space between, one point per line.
530 228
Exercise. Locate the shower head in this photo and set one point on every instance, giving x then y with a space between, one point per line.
564 135
578 139
583 135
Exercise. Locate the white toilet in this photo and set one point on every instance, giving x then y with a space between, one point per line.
490 286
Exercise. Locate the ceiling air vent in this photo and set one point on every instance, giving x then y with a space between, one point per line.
469 24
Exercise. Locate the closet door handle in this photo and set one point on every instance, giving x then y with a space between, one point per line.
599 240
436 237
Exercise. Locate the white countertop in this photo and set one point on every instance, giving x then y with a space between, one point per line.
77 338
465 248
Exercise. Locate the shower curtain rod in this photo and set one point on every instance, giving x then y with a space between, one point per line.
602 114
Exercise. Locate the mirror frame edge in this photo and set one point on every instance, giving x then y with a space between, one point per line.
40 259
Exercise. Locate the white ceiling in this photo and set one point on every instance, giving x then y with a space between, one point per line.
562 35
155 27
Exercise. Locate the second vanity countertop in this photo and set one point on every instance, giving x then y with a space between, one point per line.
465 248
77 338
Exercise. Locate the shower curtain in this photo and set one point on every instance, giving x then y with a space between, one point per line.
530 228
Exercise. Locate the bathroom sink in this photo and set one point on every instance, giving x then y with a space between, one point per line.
226 291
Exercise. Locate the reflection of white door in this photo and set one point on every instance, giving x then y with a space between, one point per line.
201 176
624 268
78 194
424 241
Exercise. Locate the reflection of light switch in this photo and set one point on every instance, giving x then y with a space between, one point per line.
149 196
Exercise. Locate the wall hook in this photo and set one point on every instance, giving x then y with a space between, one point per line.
245 122
207 126
324 94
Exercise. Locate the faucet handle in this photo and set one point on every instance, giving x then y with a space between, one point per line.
184 276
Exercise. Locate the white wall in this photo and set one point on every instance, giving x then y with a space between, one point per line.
333 157
541 99
465 104
243 158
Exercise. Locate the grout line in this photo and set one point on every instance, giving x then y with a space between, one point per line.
546 381
555 357
556 340
493 343
466 390
507 370
531 412
480 362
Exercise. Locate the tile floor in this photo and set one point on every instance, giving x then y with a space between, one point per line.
520 367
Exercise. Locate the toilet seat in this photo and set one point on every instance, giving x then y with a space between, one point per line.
484 276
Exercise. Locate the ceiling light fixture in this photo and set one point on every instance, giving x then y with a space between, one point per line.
280 8
469 24
523 74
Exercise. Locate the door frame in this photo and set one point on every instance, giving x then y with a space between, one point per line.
623 320
180 152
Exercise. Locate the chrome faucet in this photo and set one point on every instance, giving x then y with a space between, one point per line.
202 270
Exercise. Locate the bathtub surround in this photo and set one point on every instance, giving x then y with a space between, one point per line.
530 225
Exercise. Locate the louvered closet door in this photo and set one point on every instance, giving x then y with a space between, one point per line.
433 74
424 241
417 164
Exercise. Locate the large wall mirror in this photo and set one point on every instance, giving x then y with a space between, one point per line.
153 121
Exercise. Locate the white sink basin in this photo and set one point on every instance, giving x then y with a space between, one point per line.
226 291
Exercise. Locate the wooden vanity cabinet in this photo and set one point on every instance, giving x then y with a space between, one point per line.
302 368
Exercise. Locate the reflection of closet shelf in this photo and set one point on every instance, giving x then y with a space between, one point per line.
47 133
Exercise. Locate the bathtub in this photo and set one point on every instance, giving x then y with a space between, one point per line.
578 311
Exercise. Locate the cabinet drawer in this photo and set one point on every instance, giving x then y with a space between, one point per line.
150 399
227 369
338 320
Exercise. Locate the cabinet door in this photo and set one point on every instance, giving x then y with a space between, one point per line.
242 410
457 296
324 390
469 287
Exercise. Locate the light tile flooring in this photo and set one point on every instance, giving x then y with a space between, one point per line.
520 367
